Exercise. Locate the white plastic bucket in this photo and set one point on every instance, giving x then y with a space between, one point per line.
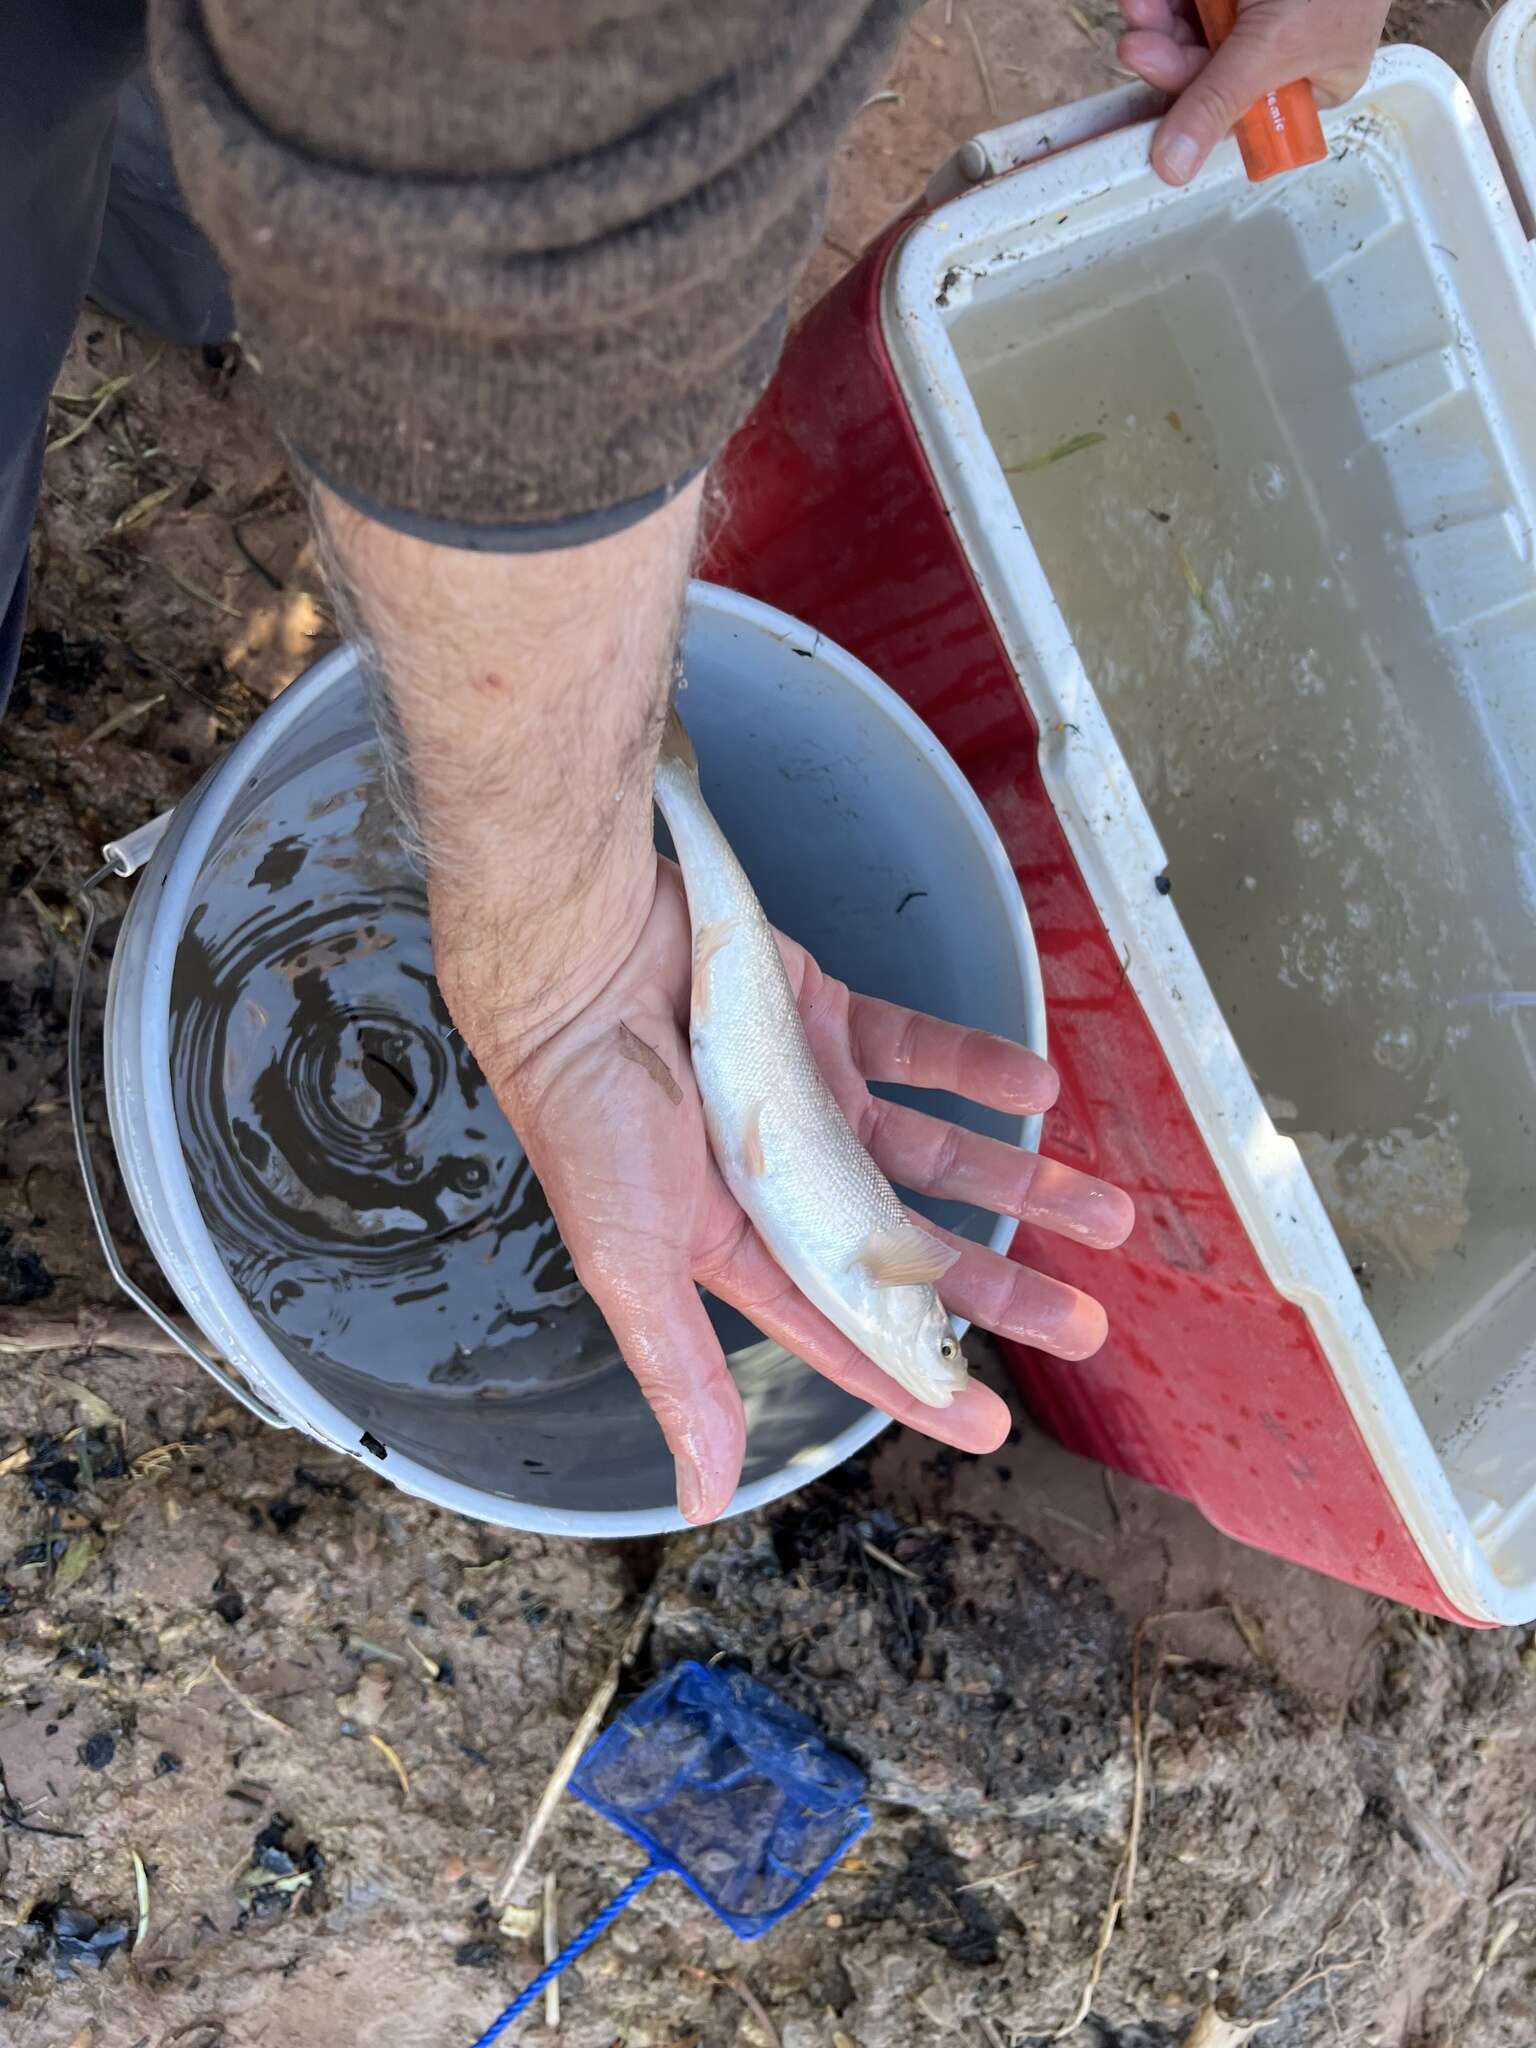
863 840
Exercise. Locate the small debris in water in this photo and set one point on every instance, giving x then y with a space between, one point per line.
1163 883
1192 582
1059 453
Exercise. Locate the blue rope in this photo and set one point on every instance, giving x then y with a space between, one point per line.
577 1946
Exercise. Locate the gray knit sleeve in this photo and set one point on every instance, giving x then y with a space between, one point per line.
511 270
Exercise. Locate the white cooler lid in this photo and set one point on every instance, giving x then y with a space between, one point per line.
1504 86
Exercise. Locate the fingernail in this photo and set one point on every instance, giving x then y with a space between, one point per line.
690 1492
1179 159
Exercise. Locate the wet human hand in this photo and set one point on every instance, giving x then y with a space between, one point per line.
608 1111
1273 42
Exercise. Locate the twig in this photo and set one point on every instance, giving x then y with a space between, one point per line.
118 720
1108 1478
980 1883
1497 1944
272 581
551 1950
112 1330
104 396
1096 1963
203 596
892 1564
1140 1738
1315 1975
755 2006
52 923
390 1757
141 509
981 63
586 1727
215 1670
1123 1888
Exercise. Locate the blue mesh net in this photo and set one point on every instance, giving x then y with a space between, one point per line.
727 1786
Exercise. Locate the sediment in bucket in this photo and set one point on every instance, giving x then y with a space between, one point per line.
325 1177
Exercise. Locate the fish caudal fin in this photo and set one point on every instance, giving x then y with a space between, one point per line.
675 743
905 1256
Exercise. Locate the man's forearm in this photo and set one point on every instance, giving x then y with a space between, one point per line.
529 692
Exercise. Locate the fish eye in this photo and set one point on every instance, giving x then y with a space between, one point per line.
948 1349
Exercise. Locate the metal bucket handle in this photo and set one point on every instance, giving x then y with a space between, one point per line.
126 857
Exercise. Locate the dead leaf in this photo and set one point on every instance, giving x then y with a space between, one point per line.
140 509
75 1562
392 1759
119 719
141 1890
94 1412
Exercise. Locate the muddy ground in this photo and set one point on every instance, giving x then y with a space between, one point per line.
319 1714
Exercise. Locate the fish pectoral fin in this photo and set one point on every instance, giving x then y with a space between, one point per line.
707 942
905 1256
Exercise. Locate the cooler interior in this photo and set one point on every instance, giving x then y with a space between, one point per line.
1266 452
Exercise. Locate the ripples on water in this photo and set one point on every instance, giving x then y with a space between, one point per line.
365 1191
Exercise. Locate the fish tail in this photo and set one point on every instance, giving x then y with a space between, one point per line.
675 743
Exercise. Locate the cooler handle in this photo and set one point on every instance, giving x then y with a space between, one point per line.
125 857
996 150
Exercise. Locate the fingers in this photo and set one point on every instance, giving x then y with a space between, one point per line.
1014 1301
1247 66
1167 62
1162 17
976 1420
933 1157
669 1344
890 1043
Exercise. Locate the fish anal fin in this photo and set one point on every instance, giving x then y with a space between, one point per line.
707 942
752 1142
905 1256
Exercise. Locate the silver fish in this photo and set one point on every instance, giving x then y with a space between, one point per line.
821 1205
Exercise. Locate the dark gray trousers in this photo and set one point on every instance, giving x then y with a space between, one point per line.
88 204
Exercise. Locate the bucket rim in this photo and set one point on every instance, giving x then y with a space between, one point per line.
175 873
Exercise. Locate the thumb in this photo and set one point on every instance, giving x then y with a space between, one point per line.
669 1344
1243 70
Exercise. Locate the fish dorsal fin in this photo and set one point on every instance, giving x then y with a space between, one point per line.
905 1256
